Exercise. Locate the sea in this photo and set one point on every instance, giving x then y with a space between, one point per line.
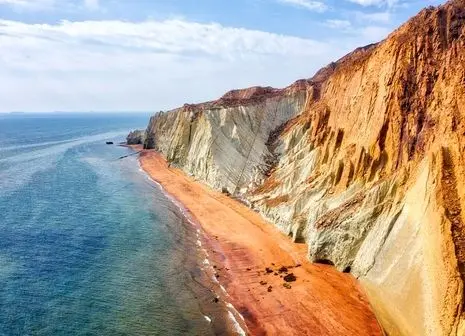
89 245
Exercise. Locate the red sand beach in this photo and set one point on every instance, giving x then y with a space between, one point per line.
322 301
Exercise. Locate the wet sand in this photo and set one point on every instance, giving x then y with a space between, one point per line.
322 301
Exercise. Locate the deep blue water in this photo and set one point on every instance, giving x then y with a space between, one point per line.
88 245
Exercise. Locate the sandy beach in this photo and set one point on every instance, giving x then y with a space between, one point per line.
322 301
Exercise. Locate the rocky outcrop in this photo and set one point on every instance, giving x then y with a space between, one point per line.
364 163
136 137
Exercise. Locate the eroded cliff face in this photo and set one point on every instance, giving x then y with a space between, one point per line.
225 142
365 163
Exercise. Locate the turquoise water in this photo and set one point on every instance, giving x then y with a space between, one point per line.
88 245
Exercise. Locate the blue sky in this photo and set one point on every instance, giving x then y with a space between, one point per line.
120 55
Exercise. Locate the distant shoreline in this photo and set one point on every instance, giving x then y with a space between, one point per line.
243 247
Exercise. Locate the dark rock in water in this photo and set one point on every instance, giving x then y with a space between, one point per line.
263 283
270 288
290 277
268 270
109 142
136 137
216 300
286 285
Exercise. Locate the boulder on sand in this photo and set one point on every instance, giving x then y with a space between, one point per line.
290 277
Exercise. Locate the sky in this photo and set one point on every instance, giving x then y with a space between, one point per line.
151 55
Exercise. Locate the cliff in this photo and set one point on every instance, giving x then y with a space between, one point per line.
364 163
226 142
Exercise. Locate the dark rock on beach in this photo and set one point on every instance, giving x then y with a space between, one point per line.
290 277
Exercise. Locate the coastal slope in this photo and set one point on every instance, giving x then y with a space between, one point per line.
364 163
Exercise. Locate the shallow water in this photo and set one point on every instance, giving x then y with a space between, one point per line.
88 245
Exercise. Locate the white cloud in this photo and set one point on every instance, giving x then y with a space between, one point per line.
51 4
92 4
373 33
29 4
21 2
379 3
378 17
367 2
115 65
364 34
316 6
338 24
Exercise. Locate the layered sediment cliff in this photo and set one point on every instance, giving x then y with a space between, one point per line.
226 142
364 162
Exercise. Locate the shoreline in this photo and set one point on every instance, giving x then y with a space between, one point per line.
205 261
245 254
